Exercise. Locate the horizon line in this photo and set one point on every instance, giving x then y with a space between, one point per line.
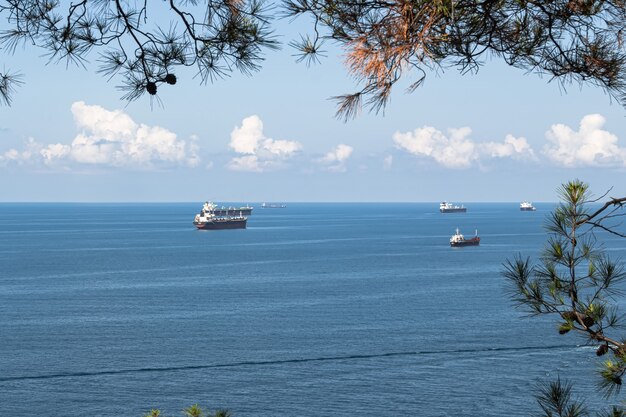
272 201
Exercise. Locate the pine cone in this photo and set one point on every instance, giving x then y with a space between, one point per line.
151 88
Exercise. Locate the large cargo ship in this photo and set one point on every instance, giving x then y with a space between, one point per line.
458 240
526 206
227 211
208 219
445 207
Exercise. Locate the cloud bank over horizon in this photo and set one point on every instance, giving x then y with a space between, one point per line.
456 150
259 153
589 146
110 138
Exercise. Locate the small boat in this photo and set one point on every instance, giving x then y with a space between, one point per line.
445 207
458 240
526 206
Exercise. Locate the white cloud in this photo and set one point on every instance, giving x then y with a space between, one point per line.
282 148
30 152
388 162
112 138
589 146
245 163
335 160
456 150
55 151
112 126
339 154
260 153
11 155
452 151
245 139
193 159
511 147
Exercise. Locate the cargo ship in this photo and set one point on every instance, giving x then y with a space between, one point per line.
227 211
526 206
445 207
458 240
273 205
207 219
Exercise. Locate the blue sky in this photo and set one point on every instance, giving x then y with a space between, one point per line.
499 135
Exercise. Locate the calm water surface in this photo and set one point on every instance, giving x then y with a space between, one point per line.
316 309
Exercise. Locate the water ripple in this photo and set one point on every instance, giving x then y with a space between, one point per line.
283 361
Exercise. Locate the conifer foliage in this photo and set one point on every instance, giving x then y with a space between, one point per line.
569 40
384 40
193 411
576 281
142 42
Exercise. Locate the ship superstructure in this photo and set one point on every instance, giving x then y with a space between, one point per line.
227 211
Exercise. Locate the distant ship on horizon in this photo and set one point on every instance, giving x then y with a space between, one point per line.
526 206
273 205
445 207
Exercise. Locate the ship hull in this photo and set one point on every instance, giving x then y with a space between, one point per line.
222 224
475 241
527 209
454 210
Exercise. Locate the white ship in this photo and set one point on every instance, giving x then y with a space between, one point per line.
445 207
526 206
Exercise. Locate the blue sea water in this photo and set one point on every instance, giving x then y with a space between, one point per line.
315 309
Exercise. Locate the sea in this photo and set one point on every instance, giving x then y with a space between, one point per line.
314 310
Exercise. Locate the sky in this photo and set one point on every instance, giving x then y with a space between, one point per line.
498 135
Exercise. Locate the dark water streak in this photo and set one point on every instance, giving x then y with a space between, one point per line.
286 361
